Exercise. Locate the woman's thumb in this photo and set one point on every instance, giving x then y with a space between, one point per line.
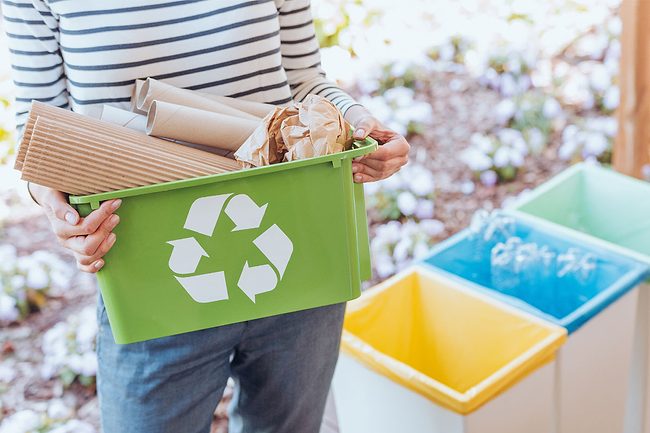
363 128
62 209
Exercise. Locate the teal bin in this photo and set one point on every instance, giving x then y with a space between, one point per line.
597 202
612 209
199 253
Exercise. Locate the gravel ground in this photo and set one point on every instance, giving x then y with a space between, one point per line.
456 115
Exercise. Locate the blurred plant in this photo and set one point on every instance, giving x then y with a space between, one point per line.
6 130
509 72
26 281
587 75
453 50
399 110
590 140
69 349
496 157
534 114
57 419
395 244
408 193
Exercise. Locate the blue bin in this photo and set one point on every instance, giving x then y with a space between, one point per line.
593 367
566 304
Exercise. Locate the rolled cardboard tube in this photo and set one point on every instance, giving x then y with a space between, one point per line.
154 90
257 109
196 126
137 122
134 97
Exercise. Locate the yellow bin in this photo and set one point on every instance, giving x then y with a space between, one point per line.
422 353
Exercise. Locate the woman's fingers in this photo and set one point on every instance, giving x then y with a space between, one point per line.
86 225
92 268
87 245
91 260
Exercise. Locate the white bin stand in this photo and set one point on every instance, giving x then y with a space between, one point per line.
367 402
593 368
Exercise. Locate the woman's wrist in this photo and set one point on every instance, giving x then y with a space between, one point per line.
355 113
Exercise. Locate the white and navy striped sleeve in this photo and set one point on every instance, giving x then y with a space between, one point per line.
37 65
301 56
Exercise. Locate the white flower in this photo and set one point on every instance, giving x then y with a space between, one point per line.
425 209
407 203
432 227
599 78
595 144
536 139
482 143
552 108
467 187
419 180
475 159
567 149
504 111
58 410
8 309
37 278
611 98
74 426
7 373
489 178
25 421
501 157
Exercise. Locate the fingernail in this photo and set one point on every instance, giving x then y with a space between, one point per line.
355 168
114 220
98 265
357 178
71 218
359 133
116 204
111 239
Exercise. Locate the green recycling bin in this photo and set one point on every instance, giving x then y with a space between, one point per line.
614 210
220 249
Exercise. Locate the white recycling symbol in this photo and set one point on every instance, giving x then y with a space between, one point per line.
246 215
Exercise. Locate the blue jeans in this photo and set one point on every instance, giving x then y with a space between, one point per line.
282 367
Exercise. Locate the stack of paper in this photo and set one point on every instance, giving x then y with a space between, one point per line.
81 155
171 134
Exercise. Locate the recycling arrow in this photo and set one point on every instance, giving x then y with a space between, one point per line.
243 211
186 255
204 214
202 218
257 279
276 246
206 287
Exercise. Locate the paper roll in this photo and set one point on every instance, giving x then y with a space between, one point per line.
153 90
257 109
130 120
134 97
183 123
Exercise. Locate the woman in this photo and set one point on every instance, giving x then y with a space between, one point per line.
82 54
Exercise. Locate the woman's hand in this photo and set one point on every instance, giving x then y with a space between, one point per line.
391 155
89 238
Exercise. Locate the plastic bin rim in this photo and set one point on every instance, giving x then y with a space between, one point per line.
434 390
572 321
368 145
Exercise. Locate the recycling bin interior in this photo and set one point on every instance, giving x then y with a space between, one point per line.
421 353
209 251
614 210
594 365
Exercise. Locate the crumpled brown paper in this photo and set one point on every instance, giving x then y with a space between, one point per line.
312 128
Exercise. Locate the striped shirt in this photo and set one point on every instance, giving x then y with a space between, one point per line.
80 54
